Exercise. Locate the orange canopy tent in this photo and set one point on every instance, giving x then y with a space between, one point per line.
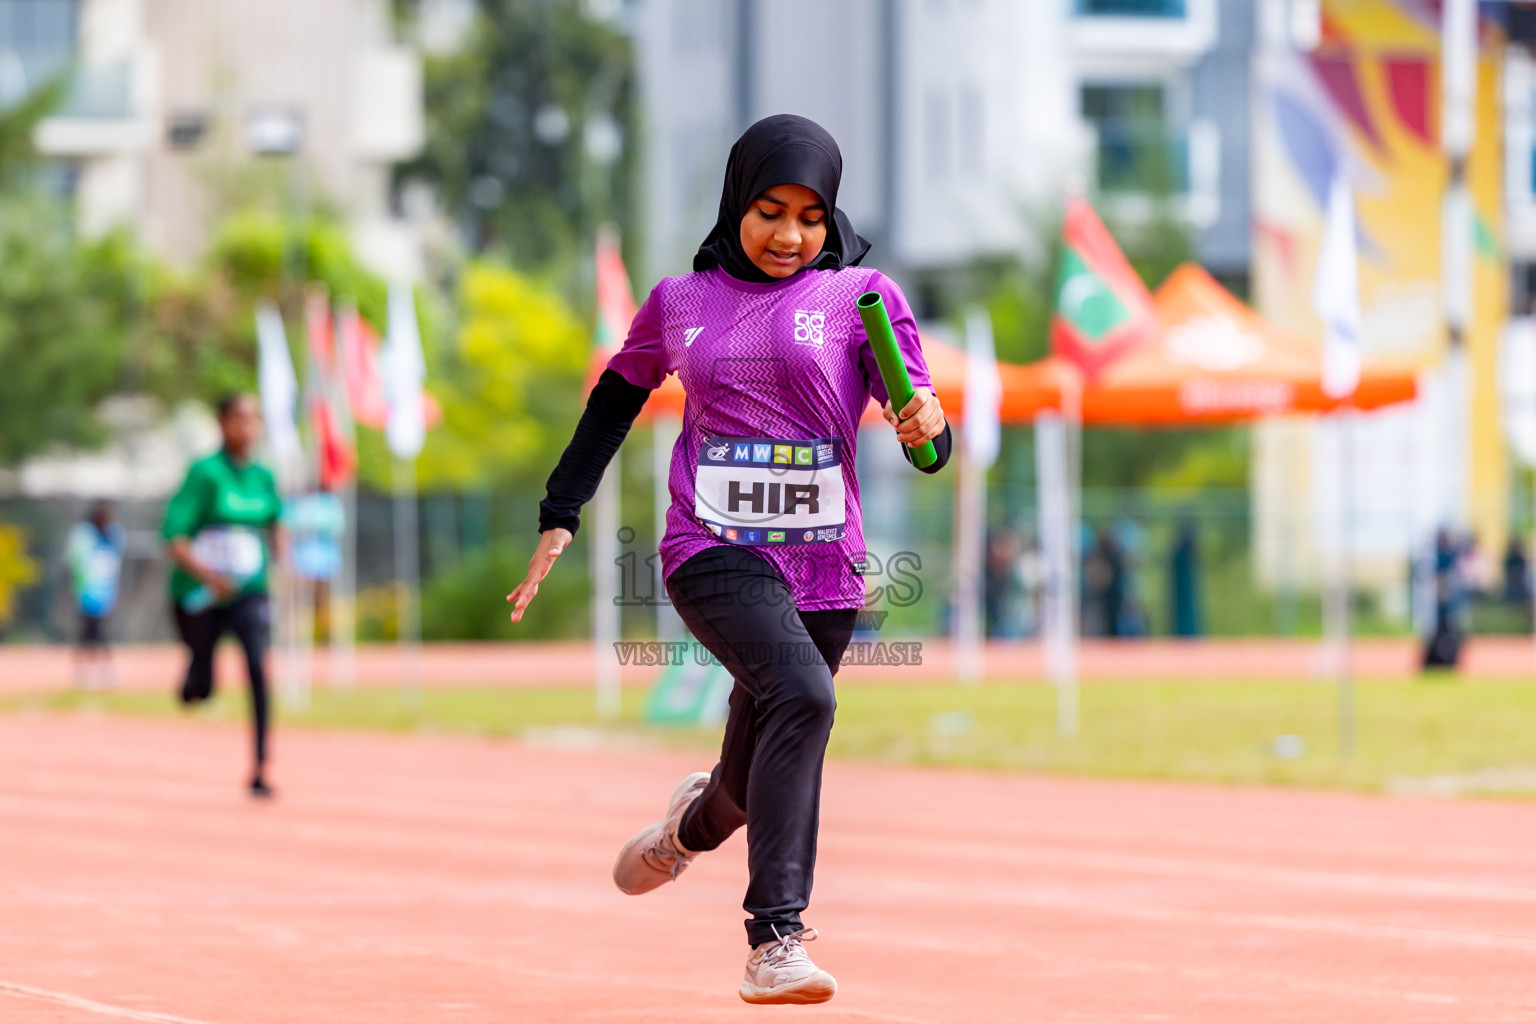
1214 361
1217 361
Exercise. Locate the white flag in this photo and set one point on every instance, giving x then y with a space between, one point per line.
983 390
279 388
404 372
1336 294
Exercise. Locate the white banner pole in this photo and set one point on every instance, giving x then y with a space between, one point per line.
605 609
408 573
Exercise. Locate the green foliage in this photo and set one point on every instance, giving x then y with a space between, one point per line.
467 601
1219 459
18 156
201 338
533 195
509 384
64 306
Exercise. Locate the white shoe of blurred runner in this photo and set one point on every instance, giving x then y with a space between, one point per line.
781 972
654 857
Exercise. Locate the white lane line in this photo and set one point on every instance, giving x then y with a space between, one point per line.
91 1006
1246 978
886 891
866 844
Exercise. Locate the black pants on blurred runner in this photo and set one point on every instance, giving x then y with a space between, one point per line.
249 619
769 775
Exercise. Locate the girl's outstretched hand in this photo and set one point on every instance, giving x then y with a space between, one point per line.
921 419
551 543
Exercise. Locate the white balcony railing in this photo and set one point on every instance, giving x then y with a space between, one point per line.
106 109
1176 29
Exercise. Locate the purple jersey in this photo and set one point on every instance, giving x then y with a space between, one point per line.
777 376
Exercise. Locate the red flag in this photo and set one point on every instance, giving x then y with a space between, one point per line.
359 345
1102 308
333 447
338 460
615 300
317 321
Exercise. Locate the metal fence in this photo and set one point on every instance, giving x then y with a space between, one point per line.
1128 554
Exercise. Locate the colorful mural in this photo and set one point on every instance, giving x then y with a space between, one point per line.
1367 102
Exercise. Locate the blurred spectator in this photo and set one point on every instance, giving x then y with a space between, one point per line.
1004 584
1517 579
1131 540
1184 581
1444 647
1106 582
1031 583
1477 571
93 556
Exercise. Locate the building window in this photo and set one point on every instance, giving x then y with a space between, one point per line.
1139 147
973 140
940 144
1131 8
698 26
40 34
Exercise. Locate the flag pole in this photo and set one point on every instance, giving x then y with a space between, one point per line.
605 608
343 595
977 450
405 432
1345 582
408 573
665 429
1058 608
969 656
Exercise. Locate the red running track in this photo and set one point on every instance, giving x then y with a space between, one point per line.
437 879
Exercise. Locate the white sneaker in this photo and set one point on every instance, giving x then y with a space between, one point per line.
654 857
781 972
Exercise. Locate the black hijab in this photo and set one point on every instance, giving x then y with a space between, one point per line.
784 149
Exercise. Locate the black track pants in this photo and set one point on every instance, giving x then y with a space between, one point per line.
769 775
249 619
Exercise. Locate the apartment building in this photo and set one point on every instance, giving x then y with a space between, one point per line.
962 121
168 98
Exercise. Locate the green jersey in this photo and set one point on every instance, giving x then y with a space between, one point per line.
224 509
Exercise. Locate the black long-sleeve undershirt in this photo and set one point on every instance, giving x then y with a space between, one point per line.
611 410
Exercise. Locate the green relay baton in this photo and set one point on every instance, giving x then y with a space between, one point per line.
877 326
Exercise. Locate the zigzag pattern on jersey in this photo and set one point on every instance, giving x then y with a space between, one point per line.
745 376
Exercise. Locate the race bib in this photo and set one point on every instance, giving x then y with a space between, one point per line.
233 551
764 490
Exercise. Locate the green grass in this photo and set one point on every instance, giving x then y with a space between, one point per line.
1480 732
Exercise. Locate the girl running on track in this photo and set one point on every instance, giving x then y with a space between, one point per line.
763 549
214 530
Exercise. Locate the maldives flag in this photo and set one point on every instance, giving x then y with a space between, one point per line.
1102 308
615 300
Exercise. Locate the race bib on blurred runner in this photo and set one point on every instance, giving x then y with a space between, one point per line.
766 491
233 551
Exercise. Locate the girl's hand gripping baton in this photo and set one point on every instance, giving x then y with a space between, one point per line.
877 326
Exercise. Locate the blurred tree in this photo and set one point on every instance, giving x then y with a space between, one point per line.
199 342
530 130
18 156
509 384
63 338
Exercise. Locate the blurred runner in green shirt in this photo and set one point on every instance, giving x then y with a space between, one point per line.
216 530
